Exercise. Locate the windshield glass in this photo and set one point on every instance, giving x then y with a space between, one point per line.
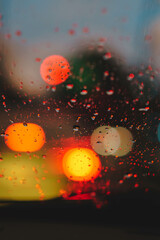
79 83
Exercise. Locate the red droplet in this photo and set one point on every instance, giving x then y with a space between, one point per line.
104 10
8 36
71 32
85 30
73 100
106 73
124 19
97 89
56 29
107 55
148 37
149 68
136 185
84 196
131 76
140 74
74 25
18 33
102 39
38 59
69 86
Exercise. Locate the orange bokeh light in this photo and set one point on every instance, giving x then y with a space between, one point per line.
81 164
55 69
61 146
24 137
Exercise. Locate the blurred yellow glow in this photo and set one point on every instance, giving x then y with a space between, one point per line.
27 177
28 137
81 164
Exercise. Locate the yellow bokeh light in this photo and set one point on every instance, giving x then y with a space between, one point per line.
24 137
81 164
27 177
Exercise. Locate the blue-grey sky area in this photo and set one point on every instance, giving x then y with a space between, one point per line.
37 20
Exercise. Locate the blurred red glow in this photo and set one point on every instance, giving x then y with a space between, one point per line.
84 196
54 69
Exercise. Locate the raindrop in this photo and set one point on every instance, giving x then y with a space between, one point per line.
106 73
110 92
76 128
107 56
57 109
69 86
130 77
84 92
4 135
73 100
53 89
93 118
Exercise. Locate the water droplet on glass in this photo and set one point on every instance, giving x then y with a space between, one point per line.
73 100
53 89
4 135
84 92
110 92
57 109
130 77
107 56
69 86
76 128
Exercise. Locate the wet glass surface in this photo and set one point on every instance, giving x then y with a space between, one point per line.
79 113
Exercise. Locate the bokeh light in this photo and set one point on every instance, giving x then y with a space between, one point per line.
81 164
26 177
93 88
55 69
126 142
59 147
24 137
105 140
